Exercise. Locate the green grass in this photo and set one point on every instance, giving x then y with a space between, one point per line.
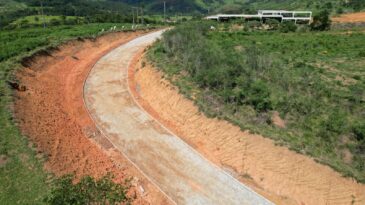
315 80
21 41
38 19
22 178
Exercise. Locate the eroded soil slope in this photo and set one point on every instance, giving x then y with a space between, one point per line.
281 175
52 113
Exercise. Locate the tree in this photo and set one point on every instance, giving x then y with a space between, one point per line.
321 21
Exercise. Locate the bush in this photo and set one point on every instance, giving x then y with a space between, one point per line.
258 95
321 21
273 23
88 191
288 26
253 24
55 22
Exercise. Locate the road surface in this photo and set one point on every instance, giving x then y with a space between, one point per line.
173 166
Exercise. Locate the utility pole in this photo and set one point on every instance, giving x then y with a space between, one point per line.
133 18
42 13
164 11
142 15
137 15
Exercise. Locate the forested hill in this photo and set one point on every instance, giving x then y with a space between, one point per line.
120 10
234 6
94 10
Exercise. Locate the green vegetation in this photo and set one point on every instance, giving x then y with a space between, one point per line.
20 41
36 20
22 179
89 11
315 80
250 6
88 191
107 11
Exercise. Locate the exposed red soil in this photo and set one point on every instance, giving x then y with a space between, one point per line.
281 175
51 113
350 18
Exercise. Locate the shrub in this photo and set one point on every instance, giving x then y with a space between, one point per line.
273 23
288 26
55 22
253 24
321 21
359 131
88 191
258 95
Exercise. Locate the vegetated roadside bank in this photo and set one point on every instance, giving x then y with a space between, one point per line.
309 99
49 109
281 175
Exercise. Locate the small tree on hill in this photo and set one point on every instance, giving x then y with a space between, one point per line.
321 22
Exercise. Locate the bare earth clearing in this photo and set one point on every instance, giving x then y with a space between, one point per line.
350 18
51 113
279 174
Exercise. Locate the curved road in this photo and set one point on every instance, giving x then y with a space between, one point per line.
179 171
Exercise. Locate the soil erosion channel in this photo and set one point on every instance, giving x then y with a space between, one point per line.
183 174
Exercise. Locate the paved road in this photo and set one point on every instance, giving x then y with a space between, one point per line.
179 171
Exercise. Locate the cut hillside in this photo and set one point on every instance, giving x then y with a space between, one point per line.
307 79
281 175
51 112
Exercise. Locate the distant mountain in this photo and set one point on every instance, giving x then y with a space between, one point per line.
117 10
234 6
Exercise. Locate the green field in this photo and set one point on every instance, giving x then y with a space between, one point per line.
22 179
315 80
39 19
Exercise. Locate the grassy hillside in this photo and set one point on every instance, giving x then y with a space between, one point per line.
314 80
232 6
92 11
120 10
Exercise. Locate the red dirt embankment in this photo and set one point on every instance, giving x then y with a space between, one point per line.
350 18
281 175
51 113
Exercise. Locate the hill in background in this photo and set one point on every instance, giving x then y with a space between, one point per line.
121 10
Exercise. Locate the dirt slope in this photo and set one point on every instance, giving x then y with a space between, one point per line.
51 112
281 175
350 18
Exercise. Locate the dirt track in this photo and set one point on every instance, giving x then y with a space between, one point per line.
52 114
183 174
281 175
